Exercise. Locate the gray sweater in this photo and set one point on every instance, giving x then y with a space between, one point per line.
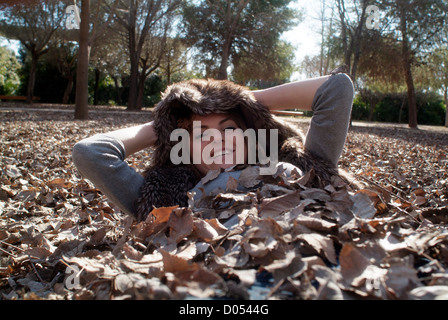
101 158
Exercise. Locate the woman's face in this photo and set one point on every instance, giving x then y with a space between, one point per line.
218 141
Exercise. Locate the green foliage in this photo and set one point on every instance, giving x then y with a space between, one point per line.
360 109
50 84
252 34
388 109
432 113
278 66
107 92
393 108
153 87
9 72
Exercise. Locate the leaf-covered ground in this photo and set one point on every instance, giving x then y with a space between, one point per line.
61 239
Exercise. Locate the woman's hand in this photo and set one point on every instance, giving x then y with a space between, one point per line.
299 94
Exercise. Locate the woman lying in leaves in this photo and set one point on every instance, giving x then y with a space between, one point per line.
198 108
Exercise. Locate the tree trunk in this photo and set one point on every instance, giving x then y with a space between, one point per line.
232 24
222 73
68 89
134 57
357 40
118 90
412 100
446 106
32 79
141 89
372 109
97 85
401 109
82 71
133 85
407 68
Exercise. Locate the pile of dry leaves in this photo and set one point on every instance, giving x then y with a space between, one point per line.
61 239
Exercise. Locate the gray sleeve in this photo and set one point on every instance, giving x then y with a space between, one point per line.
332 106
101 159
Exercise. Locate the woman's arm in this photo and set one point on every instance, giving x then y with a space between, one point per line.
299 94
101 159
135 138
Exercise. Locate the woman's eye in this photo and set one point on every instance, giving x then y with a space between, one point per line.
204 134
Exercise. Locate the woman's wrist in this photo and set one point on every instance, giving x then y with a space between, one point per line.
299 94
136 138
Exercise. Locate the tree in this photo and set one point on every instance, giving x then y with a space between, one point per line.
111 60
352 21
438 74
223 29
64 57
175 59
142 21
277 68
35 26
82 70
90 28
414 24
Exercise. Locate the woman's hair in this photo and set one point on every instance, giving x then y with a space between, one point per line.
185 121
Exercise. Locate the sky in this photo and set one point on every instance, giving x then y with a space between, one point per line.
305 36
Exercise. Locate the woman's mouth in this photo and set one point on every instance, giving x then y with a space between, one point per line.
222 153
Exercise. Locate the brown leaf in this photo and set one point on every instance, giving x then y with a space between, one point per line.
220 228
174 264
60 183
180 226
316 224
291 264
352 261
203 230
99 235
162 214
401 277
249 177
131 253
274 206
234 257
232 184
363 207
315 194
322 244
247 277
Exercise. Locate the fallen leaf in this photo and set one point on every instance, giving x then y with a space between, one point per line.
174 264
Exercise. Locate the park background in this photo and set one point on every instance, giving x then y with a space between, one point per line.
129 51
61 238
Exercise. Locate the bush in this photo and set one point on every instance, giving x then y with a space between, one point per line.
9 68
360 109
393 107
432 113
